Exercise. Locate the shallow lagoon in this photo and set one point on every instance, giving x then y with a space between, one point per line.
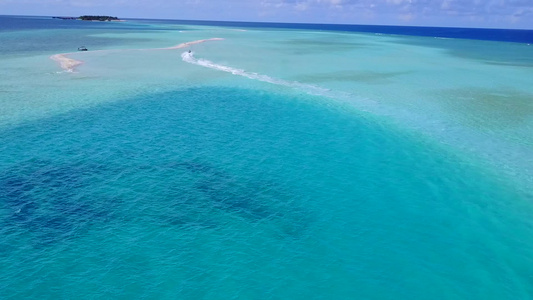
367 167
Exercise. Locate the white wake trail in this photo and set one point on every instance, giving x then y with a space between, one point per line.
311 89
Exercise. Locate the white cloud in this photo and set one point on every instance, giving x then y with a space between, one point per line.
397 2
301 6
406 17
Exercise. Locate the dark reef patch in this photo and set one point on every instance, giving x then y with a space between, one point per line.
144 163
488 52
254 200
194 195
49 200
228 193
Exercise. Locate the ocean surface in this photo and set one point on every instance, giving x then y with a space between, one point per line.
272 161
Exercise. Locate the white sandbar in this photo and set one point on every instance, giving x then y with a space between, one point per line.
66 63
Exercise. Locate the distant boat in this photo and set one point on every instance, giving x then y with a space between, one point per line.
82 48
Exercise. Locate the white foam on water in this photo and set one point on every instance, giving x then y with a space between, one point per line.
311 89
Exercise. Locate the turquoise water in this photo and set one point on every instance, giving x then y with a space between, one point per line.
148 174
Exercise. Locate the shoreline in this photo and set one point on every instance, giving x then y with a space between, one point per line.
70 64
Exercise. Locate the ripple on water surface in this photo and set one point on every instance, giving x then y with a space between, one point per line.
217 192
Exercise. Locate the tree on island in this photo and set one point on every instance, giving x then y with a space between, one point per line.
98 18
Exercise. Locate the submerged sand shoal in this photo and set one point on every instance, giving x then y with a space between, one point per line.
68 64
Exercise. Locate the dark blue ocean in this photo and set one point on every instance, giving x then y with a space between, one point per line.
487 34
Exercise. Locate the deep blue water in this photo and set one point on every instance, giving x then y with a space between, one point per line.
506 35
8 23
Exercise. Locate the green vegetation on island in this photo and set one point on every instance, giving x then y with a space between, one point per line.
90 18
98 18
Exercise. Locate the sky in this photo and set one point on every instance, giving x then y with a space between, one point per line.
448 13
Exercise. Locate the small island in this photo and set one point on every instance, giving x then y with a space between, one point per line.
98 18
90 18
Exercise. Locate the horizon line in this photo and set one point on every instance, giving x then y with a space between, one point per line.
297 23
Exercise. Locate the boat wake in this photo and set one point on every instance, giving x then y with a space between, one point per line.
311 89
